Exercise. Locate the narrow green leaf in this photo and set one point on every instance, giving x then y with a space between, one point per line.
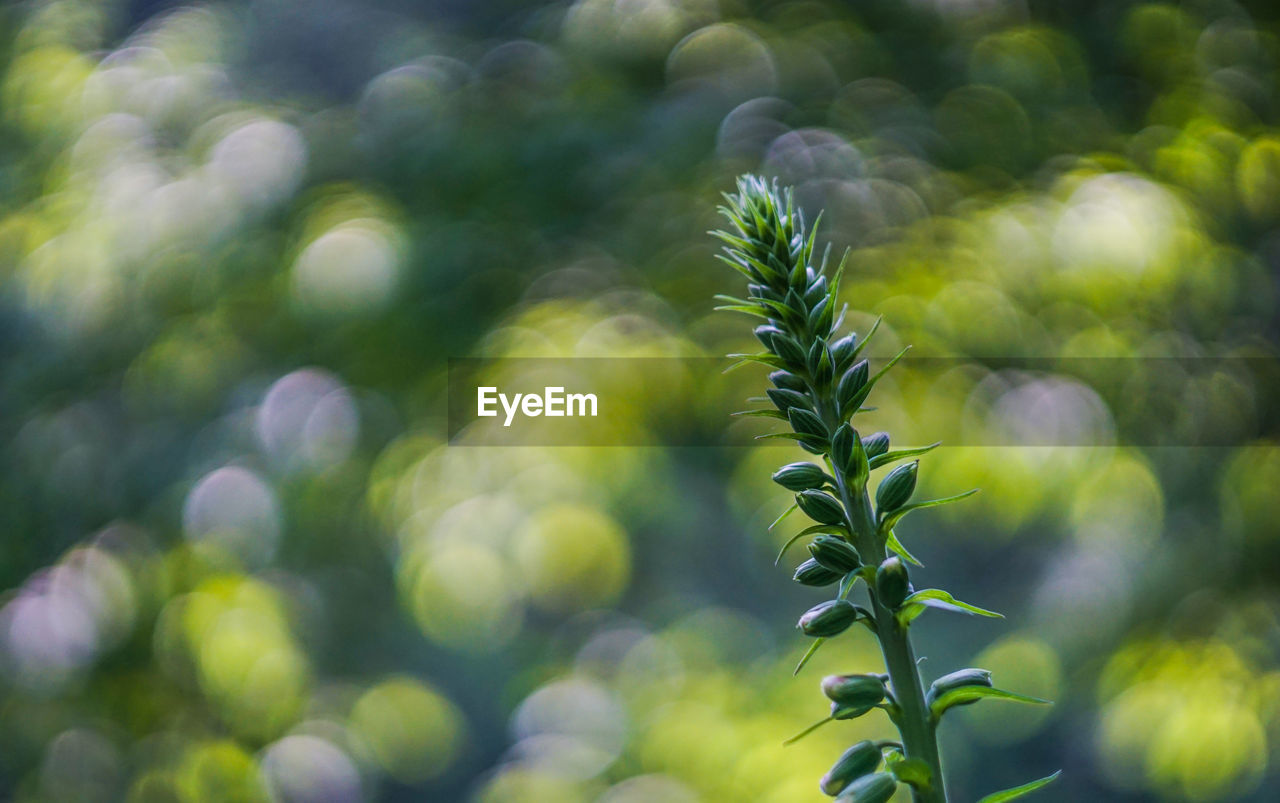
966 694
764 358
1019 791
783 310
856 402
807 254
804 659
890 521
899 454
916 604
736 266
834 529
839 274
815 441
759 414
749 310
870 332
792 509
807 731
726 237
894 544
912 771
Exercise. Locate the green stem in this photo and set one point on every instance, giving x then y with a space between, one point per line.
919 738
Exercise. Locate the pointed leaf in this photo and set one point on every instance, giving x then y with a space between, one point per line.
1019 791
807 731
804 659
890 521
759 414
870 332
915 605
839 274
966 694
899 454
894 544
749 310
814 530
912 771
791 509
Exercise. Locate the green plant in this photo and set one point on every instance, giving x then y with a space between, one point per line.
819 385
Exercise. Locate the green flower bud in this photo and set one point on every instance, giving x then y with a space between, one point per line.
853 381
861 759
787 381
801 476
956 680
876 444
835 553
877 788
806 422
816 311
786 347
892 583
812 573
842 351
795 304
765 334
897 487
786 399
842 447
816 292
824 369
827 619
854 690
821 507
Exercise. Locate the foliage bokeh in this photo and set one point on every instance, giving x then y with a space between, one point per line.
239 242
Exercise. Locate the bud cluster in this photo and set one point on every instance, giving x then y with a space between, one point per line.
819 385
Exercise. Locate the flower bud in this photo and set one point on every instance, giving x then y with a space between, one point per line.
789 350
817 310
787 381
876 444
821 367
854 690
892 583
835 553
795 304
842 447
765 333
801 476
861 759
826 619
853 381
958 679
816 291
806 422
812 573
786 399
877 788
842 351
896 489
821 507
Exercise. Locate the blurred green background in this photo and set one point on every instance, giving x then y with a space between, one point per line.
239 241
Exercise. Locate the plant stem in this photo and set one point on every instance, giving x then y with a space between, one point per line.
919 739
